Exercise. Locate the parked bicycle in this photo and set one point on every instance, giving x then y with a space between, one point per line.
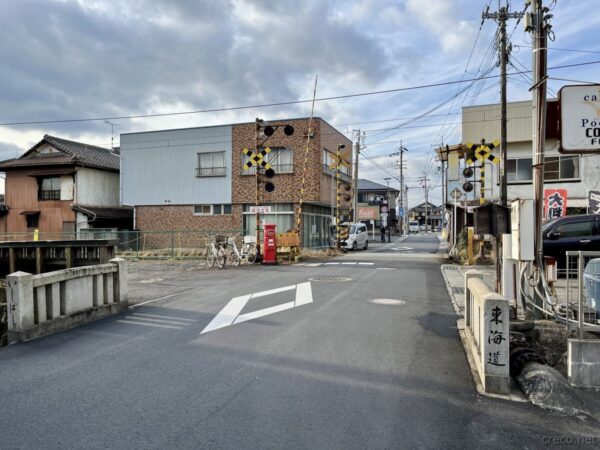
247 253
216 252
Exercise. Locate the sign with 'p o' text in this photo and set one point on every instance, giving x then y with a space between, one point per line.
580 119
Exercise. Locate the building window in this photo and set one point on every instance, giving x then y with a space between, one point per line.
32 220
328 160
211 164
211 210
555 168
280 159
561 168
49 189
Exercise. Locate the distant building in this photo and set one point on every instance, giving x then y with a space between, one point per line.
374 201
62 186
194 178
427 214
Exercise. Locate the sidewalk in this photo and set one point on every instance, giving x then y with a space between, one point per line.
454 275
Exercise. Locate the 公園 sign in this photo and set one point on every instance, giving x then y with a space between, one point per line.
555 203
579 119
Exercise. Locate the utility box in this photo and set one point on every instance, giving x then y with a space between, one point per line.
522 229
591 277
269 244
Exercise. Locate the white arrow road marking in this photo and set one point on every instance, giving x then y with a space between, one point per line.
230 314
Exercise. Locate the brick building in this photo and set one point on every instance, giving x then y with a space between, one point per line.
193 178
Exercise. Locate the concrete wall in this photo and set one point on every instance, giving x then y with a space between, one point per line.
97 187
487 332
43 304
584 363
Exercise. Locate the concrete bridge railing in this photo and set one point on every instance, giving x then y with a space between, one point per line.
43 304
487 332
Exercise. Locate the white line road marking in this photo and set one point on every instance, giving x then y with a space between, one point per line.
349 263
161 298
312 264
365 264
263 312
273 291
149 324
303 294
332 264
228 314
147 319
163 317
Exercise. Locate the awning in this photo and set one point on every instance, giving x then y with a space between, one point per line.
51 172
97 212
29 213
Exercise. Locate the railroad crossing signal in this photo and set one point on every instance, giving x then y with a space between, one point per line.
257 159
483 153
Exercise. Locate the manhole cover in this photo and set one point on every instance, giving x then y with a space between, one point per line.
387 301
151 280
330 279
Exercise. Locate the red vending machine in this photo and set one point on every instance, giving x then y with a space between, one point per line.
269 249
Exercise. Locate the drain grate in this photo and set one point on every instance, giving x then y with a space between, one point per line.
330 279
387 301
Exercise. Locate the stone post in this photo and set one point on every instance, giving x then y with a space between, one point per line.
494 344
19 302
120 280
468 313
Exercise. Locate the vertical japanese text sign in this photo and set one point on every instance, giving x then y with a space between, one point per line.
555 203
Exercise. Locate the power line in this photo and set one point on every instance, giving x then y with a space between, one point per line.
562 49
287 103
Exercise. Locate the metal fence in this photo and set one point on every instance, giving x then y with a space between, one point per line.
171 244
578 309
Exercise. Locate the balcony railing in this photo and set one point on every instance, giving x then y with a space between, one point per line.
329 171
50 195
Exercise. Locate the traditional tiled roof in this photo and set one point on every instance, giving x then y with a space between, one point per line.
71 153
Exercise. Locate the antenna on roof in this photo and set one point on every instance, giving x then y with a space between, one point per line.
112 133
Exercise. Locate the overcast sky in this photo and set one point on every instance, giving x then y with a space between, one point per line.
74 59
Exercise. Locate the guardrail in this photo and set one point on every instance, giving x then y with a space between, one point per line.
487 333
43 304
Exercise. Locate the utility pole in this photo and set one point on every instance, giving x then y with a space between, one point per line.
502 16
355 180
424 181
539 32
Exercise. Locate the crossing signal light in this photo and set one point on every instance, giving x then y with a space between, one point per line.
268 131
467 187
468 172
288 130
269 173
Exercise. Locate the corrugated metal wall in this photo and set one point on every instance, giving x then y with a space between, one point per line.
483 122
159 168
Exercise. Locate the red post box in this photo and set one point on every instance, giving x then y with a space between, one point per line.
269 244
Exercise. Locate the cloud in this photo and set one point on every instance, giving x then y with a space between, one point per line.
441 19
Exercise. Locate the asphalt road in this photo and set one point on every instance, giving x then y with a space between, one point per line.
269 357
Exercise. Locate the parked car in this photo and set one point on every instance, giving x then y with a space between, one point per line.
571 233
357 236
413 226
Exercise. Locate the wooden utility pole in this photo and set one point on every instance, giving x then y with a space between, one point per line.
502 16
355 180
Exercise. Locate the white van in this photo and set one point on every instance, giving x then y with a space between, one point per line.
357 236
413 226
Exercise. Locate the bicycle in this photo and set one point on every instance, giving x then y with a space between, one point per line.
215 253
247 253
